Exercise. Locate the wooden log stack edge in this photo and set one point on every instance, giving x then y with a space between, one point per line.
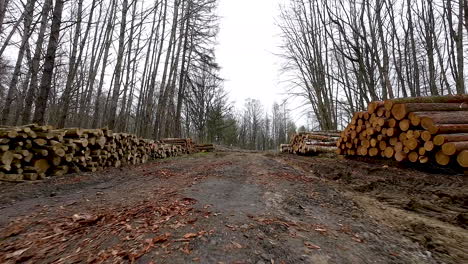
204 147
418 130
33 152
312 143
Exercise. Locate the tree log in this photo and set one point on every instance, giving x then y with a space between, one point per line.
441 139
463 158
442 159
429 119
400 111
430 99
453 148
448 128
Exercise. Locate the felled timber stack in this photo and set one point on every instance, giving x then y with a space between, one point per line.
204 148
285 148
422 129
185 143
312 143
33 152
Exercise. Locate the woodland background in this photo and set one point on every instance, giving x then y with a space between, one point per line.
148 67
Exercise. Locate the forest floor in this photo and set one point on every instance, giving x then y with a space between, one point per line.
238 207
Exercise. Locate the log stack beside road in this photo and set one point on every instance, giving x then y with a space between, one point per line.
285 148
418 130
204 148
185 143
33 152
313 143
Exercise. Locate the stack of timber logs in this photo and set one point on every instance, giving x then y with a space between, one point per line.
185 143
312 143
204 147
285 148
33 152
419 130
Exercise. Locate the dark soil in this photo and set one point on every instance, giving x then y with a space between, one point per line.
238 207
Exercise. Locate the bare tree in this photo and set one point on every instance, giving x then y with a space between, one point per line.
49 64
19 61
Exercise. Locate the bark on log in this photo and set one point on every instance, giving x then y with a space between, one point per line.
400 111
463 158
441 139
448 128
429 119
431 99
453 148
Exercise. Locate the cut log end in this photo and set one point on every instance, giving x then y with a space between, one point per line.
463 158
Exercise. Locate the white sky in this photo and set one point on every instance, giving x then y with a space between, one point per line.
247 43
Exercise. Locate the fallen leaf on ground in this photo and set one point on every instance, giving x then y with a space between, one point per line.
16 253
237 245
85 218
185 249
190 235
161 238
311 246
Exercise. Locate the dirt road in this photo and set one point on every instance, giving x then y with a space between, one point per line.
238 208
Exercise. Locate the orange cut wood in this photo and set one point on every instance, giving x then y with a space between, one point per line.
426 135
448 128
413 157
462 159
429 119
453 148
404 125
442 159
389 152
429 145
400 156
400 111
439 140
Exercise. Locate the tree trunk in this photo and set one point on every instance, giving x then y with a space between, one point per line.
46 79
19 62
3 7
460 51
31 93
466 15
75 61
109 28
118 70
416 91
162 103
183 74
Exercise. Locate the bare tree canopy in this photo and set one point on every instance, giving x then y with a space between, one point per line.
341 55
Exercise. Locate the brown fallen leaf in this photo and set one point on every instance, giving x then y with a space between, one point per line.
161 238
186 249
311 246
321 230
13 231
85 218
191 221
16 253
357 240
237 245
190 235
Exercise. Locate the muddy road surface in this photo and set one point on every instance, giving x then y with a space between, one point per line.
235 207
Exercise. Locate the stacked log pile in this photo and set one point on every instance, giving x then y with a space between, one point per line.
312 143
33 152
204 148
419 130
285 148
185 143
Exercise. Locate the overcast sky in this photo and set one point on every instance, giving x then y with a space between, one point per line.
247 43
